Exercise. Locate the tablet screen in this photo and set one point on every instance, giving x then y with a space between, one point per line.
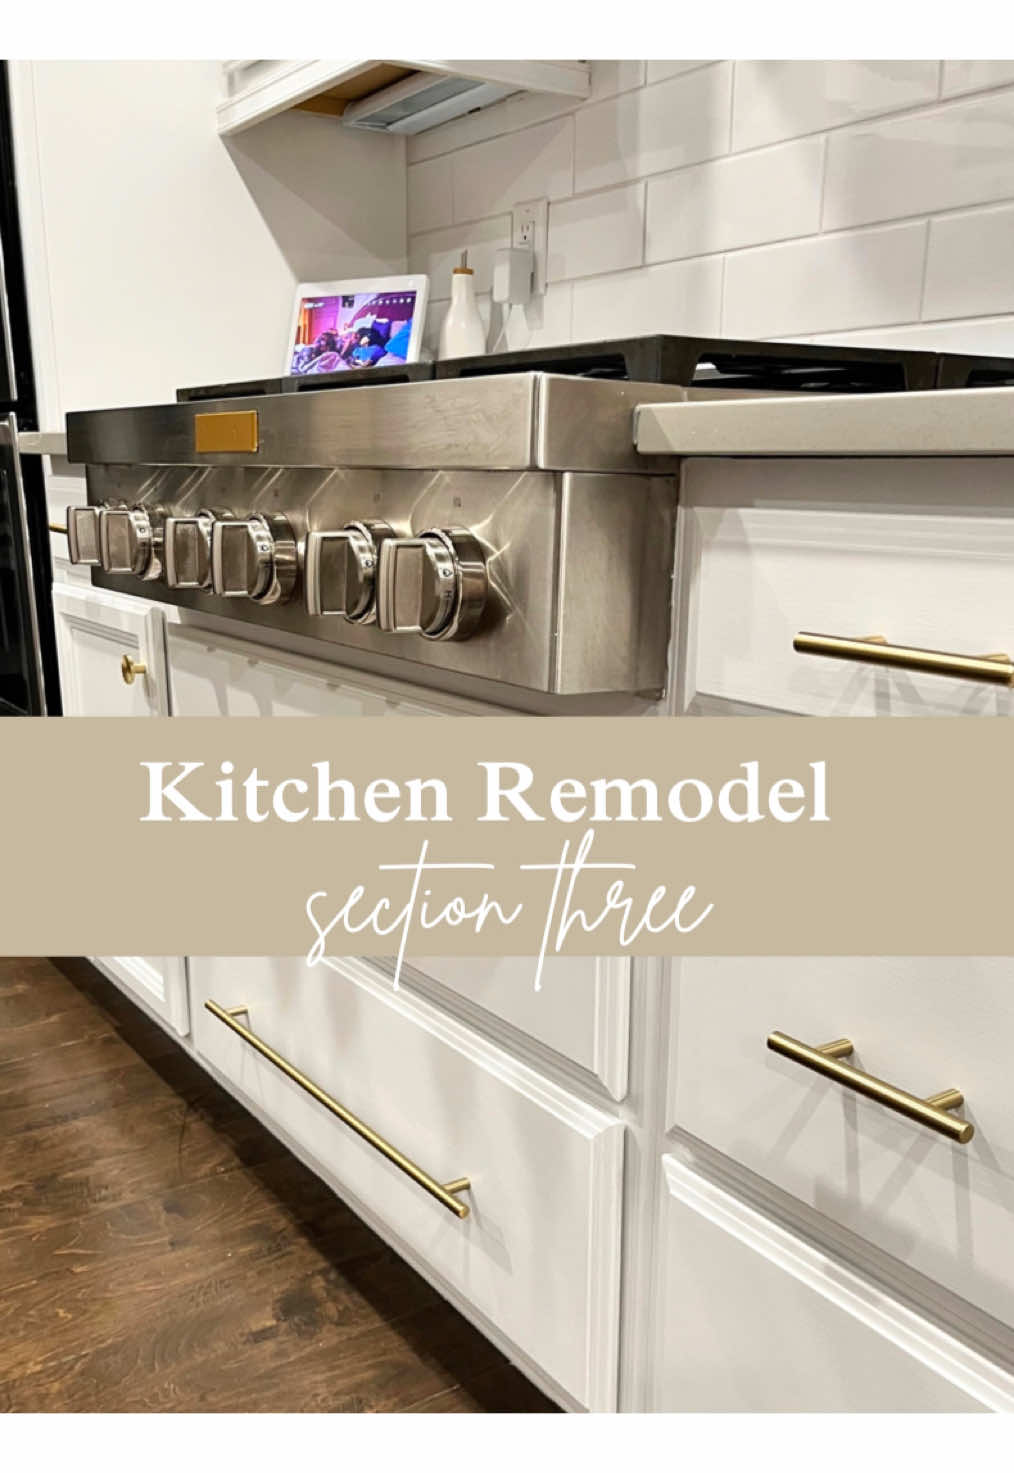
359 330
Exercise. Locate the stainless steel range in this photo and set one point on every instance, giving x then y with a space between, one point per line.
487 518
503 528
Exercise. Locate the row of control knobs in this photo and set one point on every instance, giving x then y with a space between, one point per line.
434 584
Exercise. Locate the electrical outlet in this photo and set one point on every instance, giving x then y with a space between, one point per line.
530 227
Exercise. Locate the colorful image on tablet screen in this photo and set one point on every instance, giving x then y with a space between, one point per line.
364 330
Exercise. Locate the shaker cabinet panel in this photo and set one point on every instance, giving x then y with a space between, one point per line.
96 633
537 1256
753 1319
581 1010
102 642
158 981
924 1025
920 554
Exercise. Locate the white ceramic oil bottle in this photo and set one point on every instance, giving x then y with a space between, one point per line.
462 334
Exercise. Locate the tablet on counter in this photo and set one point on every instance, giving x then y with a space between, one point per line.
372 323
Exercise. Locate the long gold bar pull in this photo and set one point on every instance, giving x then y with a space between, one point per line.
58 528
445 1194
874 650
827 1058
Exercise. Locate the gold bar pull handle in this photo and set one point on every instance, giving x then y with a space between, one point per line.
446 1193
58 528
874 649
827 1059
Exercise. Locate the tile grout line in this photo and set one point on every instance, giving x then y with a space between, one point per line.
921 306
823 184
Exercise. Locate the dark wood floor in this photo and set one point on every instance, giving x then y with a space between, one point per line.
160 1251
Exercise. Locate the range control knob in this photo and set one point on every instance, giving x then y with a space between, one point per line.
340 570
188 550
131 540
83 534
434 584
256 558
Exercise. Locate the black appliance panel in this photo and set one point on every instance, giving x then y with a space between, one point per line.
21 676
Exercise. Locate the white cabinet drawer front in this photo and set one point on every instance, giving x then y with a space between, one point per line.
582 1009
754 1319
756 574
160 982
923 1025
538 1255
94 631
213 675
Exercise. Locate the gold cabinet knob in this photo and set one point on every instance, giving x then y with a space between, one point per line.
131 669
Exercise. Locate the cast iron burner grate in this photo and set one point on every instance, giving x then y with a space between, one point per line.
708 363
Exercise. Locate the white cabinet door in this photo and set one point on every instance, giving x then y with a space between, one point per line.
538 1255
751 1318
95 630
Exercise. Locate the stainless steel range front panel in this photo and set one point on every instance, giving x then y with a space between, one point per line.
507 422
579 565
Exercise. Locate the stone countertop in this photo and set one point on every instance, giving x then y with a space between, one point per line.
934 422
42 442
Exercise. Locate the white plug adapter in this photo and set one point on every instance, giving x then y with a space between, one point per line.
513 270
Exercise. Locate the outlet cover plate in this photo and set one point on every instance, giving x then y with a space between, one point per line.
530 226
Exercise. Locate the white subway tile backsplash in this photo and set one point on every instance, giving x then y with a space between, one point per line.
660 71
437 252
537 163
975 76
990 335
610 77
961 154
677 122
685 196
785 99
773 194
970 266
596 233
679 297
429 195
826 283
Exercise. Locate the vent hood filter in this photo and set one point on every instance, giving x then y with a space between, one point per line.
422 101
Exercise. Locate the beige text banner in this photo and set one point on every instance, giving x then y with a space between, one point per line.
734 836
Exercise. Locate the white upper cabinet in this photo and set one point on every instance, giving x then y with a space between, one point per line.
255 90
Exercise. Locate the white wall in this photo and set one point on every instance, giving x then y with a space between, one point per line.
160 256
854 201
